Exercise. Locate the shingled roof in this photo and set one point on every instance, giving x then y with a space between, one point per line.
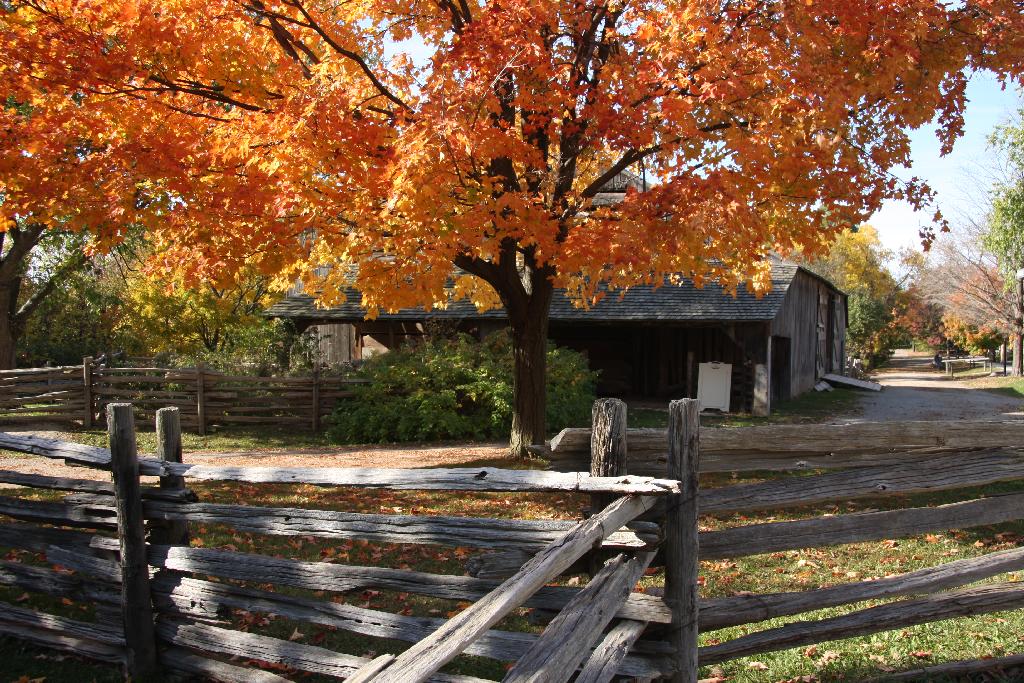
669 303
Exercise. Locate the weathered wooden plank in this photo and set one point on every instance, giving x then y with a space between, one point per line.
435 530
141 370
570 637
79 629
55 483
50 394
35 386
342 578
425 657
311 658
606 659
742 609
682 566
23 372
136 605
754 539
52 448
861 437
450 479
264 419
954 670
213 378
129 383
654 464
745 609
100 568
63 514
88 640
371 669
968 602
50 582
851 382
456 479
942 473
84 485
196 598
180 659
39 538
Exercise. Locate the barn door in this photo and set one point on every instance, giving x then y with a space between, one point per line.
838 326
823 336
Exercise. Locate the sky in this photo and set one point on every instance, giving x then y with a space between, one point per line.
958 179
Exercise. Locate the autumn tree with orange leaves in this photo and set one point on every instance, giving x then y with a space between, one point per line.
285 135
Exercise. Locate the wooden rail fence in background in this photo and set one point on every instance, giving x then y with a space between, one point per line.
80 393
594 630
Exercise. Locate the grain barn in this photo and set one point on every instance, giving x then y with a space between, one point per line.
651 342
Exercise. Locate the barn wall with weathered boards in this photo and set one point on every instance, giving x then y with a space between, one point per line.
799 320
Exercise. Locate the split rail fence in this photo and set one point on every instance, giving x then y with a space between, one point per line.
79 393
156 605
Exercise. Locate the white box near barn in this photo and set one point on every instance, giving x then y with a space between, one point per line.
714 380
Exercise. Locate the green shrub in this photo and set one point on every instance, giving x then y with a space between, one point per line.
454 388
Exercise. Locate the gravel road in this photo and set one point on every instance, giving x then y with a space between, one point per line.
913 390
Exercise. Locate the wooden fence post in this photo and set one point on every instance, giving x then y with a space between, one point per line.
168 448
316 397
136 602
762 406
607 445
681 561
607 459
87 391
201 401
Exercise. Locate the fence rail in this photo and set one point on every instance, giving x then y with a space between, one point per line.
161 603
185 608
80 393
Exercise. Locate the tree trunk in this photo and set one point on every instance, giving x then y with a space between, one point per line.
529 350
8 344
1018 339
9 329
1018 354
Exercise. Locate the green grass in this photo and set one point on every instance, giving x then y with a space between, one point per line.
1014 387
234 438
18 658
998 384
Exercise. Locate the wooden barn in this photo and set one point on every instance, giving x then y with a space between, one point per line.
649 343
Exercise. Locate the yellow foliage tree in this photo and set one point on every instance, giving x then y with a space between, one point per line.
856 263
169 315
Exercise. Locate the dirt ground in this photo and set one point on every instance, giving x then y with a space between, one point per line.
913 390
451 455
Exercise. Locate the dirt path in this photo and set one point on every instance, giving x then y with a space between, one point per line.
450 455
913 390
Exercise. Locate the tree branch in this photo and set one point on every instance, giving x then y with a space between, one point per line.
632 156
349 54
23 241
75 261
